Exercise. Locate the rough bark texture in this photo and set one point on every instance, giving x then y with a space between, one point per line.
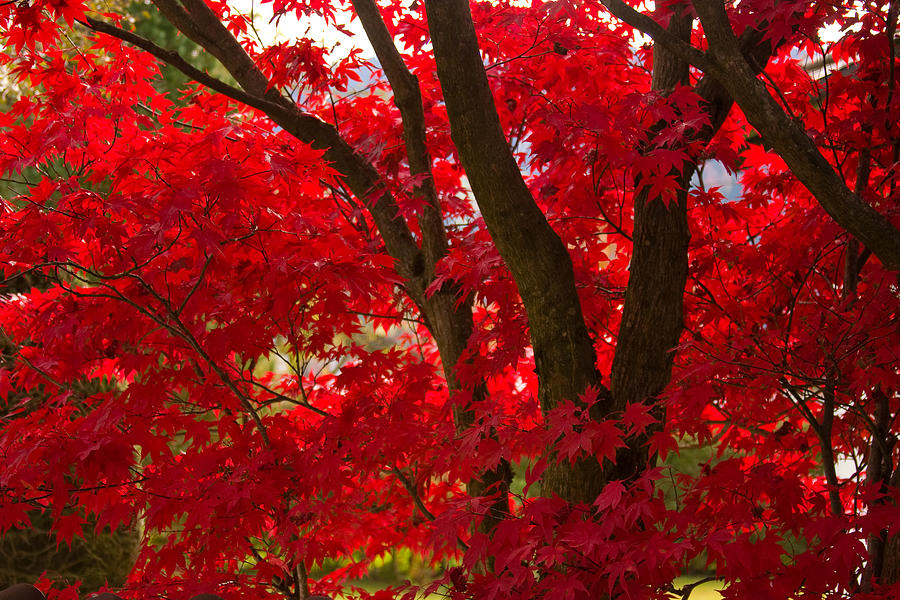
408 99
884 551
735 66
878 474
726 62
536 256
652 321
451 325
652 318
890 567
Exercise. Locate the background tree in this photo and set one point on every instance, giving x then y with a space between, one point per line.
101 558
31 550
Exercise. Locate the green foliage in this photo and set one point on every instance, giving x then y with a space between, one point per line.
94 560
149 23
686 465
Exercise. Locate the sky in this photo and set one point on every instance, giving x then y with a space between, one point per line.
313 27
340 45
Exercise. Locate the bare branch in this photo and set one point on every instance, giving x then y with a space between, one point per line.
172 58
408 98
645 24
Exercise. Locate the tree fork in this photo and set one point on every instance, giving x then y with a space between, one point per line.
652 319
534 253
448 315
448 319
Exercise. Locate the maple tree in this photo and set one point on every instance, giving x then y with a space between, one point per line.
515 192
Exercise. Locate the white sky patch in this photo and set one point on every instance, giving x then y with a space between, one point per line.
833 32
340 45
289 27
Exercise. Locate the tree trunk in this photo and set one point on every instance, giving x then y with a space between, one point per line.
534 253
652 318
890 567
883 566
790 140
564 354
447 314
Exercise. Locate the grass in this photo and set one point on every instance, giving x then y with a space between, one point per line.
705 591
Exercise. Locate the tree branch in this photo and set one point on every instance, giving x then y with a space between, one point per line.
789 139
359 175
172 58
534 253
408 99
659 34
653 313
726 62
449 318
199 23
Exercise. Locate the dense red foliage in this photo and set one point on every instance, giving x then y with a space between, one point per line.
197 361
